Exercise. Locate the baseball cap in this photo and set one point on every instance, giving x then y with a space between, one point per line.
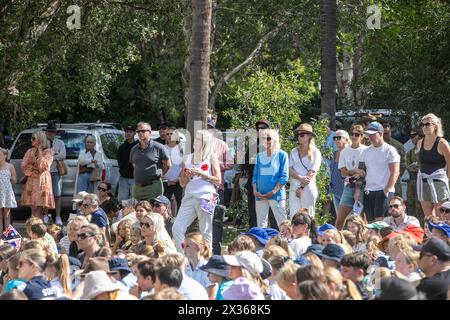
342 133
80 196
378 225
119 264
325 227
374 127
161 199
441 226
332 252
393 288
210 122
416 232
247 260
129 128
262 234
436 247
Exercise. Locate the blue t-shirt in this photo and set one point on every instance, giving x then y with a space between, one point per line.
223 286
38 288
99 218
269 171
15 284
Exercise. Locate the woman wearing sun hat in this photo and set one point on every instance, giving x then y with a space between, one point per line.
304 163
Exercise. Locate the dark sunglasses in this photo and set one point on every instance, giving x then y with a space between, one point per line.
444 210
85 205
386 126
102 189
268 138
427 124
356 134
422 254
21 263
396 206
145 224
83 236
157 205
33 138
301 135
337 138
142 130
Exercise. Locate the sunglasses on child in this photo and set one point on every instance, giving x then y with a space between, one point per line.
444 210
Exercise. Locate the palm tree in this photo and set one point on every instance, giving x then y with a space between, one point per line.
200 51
328 60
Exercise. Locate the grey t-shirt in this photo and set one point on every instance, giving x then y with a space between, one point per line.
147 161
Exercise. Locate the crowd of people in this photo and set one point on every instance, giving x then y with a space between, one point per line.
161 237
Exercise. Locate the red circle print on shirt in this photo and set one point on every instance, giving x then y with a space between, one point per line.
204 167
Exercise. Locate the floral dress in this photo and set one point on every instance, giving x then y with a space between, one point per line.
38 189
7 199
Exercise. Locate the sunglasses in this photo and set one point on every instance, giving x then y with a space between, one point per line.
85 205
268 138
83 236
301 135
386 126
157 205
163 128
142 130
33 138
102 189
145 224
396 206
356 134
427 124
261 127
444 210
338 138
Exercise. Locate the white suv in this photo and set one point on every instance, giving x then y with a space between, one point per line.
108 138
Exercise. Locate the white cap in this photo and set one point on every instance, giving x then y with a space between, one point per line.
446 205
247 260
343 133
80 196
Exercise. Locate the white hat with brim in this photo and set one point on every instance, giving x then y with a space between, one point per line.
446 205
246 259
98 282
80 196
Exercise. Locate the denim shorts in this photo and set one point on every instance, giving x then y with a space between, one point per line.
56 184
347 198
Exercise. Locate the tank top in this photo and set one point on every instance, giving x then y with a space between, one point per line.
431 160
197 186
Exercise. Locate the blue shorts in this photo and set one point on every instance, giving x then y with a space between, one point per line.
347 198
56 184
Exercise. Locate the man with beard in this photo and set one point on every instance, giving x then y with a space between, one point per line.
398 219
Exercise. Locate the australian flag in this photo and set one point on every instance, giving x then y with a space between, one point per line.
10 233
15 243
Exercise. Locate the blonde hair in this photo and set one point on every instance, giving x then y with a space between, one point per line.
411 257
207 150
372 247
362 230
275 144
146 124
273 251
348 289
4 151
166 294
198 239
287 224
42 138
287 274
436 120
241 243
62 266
402 242
314 259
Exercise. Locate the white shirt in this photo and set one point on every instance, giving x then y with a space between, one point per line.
197 186
58 153
349 157
296 164
300 245
377 160
406 221
176 159
198 274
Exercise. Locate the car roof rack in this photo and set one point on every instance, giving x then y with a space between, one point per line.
83 125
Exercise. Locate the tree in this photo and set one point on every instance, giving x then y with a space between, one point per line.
200 60
328 60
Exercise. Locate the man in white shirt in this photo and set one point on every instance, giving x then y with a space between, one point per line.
398 218
380 164
59 153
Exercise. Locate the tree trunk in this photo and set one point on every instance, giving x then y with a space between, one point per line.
199 68
328 60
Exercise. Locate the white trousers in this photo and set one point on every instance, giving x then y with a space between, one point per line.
262 211
307 200
189 210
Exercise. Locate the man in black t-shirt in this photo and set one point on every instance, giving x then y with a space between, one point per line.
435 263
126 180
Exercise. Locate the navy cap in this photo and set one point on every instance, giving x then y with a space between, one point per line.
436 247
161 199
315 248
129 128
118 264
332 252
217 265
262 234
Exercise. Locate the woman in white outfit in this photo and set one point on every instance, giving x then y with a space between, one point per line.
200 174
304 163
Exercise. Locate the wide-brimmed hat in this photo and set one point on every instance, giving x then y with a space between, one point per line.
51 126
305 128
262 234
98 282
217 265
332 252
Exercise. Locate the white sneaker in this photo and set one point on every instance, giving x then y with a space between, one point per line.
46 219
58 221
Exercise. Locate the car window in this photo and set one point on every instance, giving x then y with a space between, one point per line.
110 144
74 142
22 145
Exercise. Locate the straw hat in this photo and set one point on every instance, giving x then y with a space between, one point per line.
305 128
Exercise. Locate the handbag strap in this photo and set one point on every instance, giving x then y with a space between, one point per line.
303 165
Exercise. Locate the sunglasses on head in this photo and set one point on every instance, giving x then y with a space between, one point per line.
102 189
84 235
395 206
427 124
444 210
85 205
145 224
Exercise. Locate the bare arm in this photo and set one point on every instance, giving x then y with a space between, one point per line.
13 174
444 149
166 165
394 168
184 179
